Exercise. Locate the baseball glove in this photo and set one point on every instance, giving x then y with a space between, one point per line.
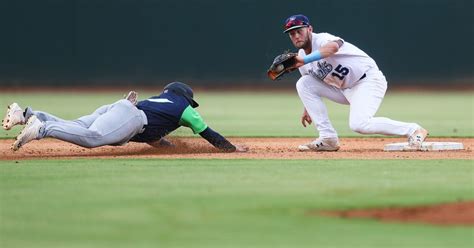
281 65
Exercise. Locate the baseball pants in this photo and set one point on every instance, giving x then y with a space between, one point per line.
113 124
364 100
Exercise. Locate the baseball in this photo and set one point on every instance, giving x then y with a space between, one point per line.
280 68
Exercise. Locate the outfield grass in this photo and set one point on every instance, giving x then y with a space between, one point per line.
275 114
223 203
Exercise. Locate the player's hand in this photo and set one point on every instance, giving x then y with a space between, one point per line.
241 148
298 62
305 118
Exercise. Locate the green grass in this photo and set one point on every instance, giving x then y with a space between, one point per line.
223 203
235 203
275 114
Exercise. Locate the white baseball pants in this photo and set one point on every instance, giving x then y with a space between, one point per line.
364 100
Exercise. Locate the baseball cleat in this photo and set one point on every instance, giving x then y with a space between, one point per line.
29 133
132 96
417 138
321 144
14 116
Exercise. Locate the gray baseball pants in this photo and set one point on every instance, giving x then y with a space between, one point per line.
113 124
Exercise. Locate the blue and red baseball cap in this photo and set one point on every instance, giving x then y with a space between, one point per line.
295 22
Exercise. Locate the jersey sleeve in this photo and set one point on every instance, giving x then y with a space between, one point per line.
217 140
325 38
191 118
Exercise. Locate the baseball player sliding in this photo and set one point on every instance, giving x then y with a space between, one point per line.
123 121
335 69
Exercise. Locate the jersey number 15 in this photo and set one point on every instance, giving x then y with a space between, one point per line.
341 72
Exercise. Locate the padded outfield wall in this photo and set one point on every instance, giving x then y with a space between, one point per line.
109 42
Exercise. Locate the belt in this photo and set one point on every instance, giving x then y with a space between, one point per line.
363 76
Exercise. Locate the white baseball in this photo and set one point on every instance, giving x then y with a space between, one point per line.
280 68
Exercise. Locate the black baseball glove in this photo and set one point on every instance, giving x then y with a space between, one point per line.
281 65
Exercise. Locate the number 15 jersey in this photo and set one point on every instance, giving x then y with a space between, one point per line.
343 69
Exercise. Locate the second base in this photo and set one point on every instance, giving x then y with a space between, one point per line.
427 146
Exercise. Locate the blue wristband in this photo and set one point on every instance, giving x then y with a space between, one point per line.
312 57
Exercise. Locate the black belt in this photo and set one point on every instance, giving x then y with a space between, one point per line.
363 76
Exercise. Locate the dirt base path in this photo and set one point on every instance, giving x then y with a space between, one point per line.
260 148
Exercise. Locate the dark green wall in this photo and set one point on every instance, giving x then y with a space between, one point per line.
49 42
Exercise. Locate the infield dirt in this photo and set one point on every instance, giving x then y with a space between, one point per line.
259 148
446 214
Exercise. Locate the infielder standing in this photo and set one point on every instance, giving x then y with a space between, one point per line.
118 123
335 69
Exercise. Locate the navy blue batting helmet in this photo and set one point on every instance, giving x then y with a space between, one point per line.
184 90
295 22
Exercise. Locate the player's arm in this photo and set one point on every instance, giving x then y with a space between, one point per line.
324 51
220 142
217 140
191 118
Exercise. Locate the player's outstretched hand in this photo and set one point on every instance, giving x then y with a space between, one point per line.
305 118
241 148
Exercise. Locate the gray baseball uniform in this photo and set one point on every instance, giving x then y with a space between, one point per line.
113 124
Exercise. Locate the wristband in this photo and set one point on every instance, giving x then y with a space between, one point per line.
312 57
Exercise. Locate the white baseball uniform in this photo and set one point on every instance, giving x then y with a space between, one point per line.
351 77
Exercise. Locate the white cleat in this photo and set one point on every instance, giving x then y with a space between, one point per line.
417 138
29 133
14 116
132 96
321 144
